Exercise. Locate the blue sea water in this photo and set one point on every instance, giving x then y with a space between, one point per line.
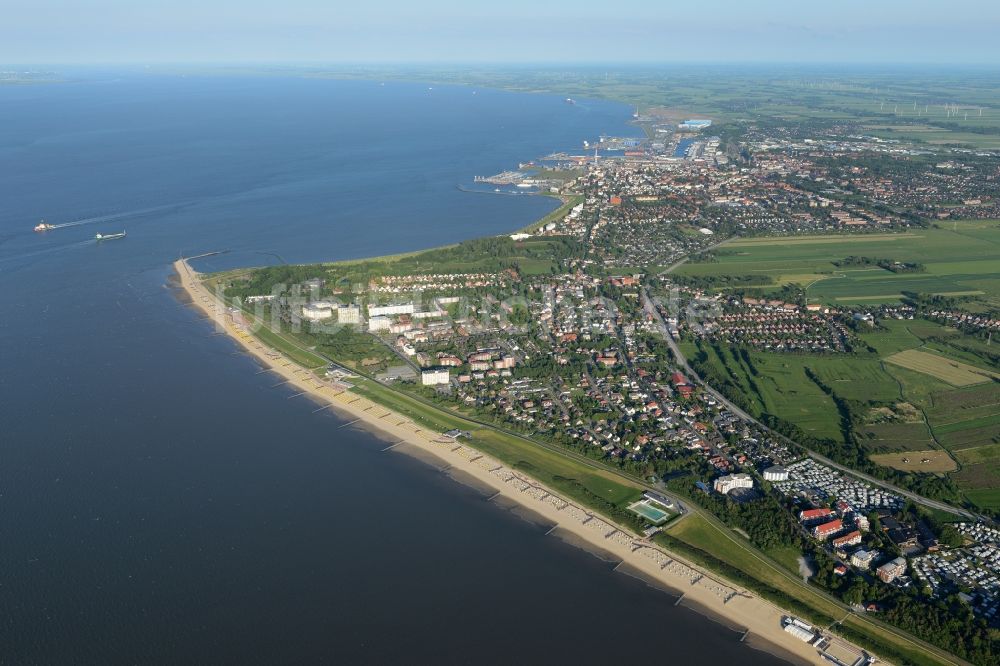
161 501
682 147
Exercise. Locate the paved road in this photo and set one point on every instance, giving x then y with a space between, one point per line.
682 363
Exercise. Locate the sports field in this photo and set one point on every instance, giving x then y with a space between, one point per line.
960 258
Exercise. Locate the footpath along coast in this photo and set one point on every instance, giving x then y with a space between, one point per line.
759 618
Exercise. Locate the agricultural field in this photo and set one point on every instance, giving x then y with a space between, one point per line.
948 370
932 389
892 437
933 460
782 384
980 454
963 260
967 423
934 135
917 422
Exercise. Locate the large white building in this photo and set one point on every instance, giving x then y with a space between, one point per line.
435 376
776 473
379 323
385 310
724 484
317 311
863 559
695 124
349 314
429 314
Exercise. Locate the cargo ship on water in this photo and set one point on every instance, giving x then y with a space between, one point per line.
104 237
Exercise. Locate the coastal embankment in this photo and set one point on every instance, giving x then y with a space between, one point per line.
761 620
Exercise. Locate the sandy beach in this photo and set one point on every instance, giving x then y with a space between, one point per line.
735 606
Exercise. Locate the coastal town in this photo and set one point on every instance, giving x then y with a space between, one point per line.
578 332
500 333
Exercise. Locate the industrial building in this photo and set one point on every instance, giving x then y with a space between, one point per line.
695 124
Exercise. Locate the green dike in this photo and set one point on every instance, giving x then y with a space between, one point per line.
716 549
423 414
303 357
888 646
597 490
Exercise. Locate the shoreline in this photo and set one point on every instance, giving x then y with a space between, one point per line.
760 619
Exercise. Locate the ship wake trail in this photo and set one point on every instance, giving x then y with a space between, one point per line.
115 217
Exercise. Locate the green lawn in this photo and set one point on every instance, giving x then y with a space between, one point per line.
289 348
964 259
699 532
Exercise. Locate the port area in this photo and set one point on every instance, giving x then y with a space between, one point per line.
502 178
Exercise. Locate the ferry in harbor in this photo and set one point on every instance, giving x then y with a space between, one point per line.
103 237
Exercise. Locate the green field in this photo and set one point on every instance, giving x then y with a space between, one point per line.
928 387
895 437
910 411
963 259
989 453
698 531
940 367
781 385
